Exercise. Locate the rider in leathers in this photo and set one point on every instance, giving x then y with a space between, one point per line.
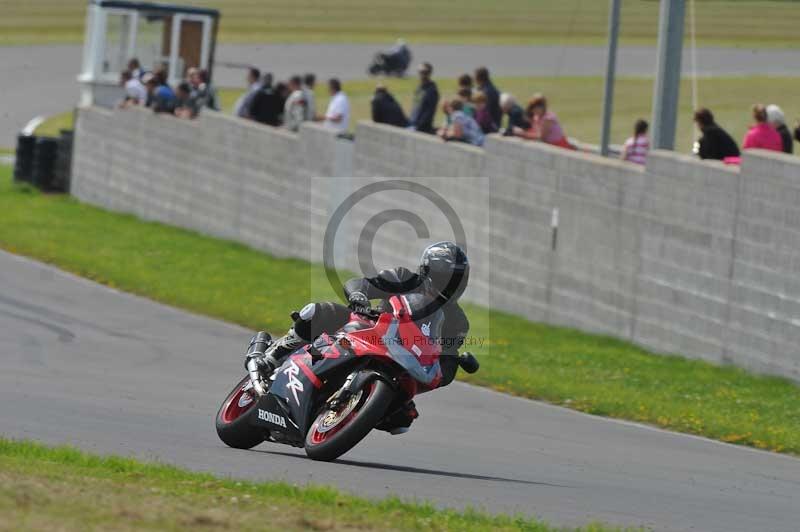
442 277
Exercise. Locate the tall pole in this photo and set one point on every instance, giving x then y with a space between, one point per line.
668 73
611 68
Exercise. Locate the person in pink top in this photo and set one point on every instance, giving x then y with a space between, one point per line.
544 124
761 134
636 147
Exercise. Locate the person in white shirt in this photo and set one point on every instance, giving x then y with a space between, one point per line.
135 91
242 108
338 114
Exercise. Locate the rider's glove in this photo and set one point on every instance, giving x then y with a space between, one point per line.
358 301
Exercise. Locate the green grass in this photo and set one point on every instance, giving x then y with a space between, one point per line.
47 488
586 372
755 23
578 102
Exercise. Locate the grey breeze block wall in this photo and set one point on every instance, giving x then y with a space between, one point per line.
681 256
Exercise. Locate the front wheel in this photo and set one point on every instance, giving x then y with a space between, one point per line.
233 426
334 432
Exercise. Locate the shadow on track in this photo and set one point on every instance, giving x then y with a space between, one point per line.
418 470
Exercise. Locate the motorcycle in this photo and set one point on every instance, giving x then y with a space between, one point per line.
328 395
395 62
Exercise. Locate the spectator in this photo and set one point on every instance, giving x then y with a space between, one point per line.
465 83
202 91
761 134
386 110
267 104
715 143
135 68
516 116
482 114
185 104
309 80
797 132
294 110
242 107
465 95
776 119
426 98
282 90
337 116
544 124
486 86
135 91
160 97
636 147
461 127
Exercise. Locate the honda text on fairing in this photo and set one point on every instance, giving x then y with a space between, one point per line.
328 395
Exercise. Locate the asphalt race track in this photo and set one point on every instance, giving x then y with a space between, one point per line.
113 373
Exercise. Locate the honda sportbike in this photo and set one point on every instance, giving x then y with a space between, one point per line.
328 395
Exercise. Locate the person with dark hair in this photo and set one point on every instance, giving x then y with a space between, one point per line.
202 91
337 116
135 91
135 68
426 98
545 125
309 80
386 110
715 143
761 134
465 95
636 147
294 110
267 104
242 107
776 119
185 104
465 83
516 116
160 97
485 85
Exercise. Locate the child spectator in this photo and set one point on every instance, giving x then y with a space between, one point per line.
516 116
544 124
386 110
776 119
636 147
761 134
337 116
465 95
462 128
482 114
715 143
185 104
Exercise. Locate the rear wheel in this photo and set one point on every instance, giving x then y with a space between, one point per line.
334 432
232 423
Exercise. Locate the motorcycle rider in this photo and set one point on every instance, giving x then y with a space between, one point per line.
441 279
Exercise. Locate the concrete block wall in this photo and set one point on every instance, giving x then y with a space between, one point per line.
680 256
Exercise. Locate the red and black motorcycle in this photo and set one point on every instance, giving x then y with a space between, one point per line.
329 395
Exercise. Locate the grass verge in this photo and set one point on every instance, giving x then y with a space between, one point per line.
755 23
577 102
46 488
590 373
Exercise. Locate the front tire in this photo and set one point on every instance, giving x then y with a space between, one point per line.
233 427
328 441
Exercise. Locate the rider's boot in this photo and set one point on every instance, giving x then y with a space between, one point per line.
282 347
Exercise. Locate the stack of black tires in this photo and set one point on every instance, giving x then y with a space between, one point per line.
44 162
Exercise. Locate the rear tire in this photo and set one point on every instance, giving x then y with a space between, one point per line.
368 412
232 422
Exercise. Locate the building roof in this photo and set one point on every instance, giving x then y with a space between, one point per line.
162 8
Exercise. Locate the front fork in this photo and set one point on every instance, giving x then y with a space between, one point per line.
254 361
